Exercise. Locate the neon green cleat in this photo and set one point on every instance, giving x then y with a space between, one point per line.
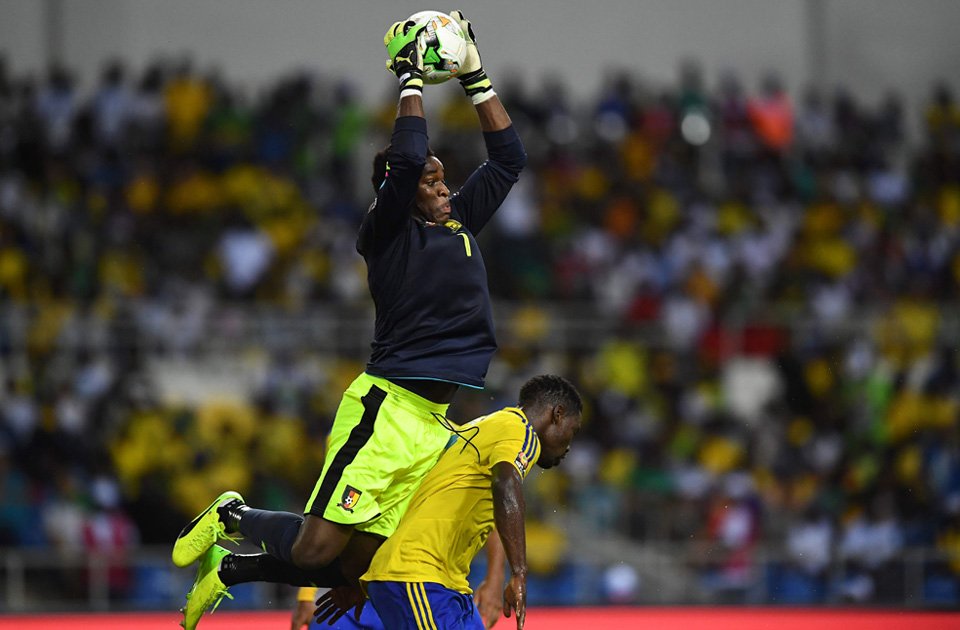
203 532
207 589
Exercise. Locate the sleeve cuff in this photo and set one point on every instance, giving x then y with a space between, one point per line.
306 594
410 123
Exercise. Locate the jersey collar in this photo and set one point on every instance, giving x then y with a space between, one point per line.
519 412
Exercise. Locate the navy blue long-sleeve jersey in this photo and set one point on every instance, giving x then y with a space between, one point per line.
429 284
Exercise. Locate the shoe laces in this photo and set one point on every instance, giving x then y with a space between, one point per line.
215 599
235 538
220 530
218 596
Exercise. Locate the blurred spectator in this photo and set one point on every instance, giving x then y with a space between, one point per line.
110 532
771 114
245 255
729 538
147 110
621 584
188 99
56 107
810 543
943 118
870 544
112 106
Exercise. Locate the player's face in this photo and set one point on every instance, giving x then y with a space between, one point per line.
555 440
433 196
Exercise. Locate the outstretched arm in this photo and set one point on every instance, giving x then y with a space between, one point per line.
476 84
404 57
509 506
407 152
487 187
405 62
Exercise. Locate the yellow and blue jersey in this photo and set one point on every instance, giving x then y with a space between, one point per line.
451 514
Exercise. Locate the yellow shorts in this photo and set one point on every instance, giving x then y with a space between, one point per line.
384 440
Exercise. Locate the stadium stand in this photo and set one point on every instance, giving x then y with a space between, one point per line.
755 292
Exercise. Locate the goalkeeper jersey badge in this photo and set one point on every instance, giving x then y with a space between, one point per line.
454 225
349 499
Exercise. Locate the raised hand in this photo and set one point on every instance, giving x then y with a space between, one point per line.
472 76
404 57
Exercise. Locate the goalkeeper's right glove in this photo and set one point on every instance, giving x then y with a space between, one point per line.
405 60
472 77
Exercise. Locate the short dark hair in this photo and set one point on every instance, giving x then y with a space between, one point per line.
380 167
550 389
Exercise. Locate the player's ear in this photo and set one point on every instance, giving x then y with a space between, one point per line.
556 415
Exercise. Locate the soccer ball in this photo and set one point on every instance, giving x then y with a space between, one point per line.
442 46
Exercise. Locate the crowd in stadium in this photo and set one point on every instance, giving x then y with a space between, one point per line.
774 278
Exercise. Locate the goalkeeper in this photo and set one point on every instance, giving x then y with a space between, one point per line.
433 334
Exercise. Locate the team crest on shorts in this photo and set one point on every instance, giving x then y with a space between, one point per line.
349 499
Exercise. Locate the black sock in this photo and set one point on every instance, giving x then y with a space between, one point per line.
231 513
274 532
262 567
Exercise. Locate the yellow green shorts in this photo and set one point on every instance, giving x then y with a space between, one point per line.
384 440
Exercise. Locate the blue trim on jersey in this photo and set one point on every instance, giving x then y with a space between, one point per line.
427 378
533 445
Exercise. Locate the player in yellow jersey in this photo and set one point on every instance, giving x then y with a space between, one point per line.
418 577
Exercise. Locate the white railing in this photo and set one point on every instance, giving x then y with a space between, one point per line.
347 329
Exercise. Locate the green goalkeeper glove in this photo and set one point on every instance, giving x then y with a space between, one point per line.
472 77
405 60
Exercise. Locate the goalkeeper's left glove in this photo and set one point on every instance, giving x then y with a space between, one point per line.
405 60
472 77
